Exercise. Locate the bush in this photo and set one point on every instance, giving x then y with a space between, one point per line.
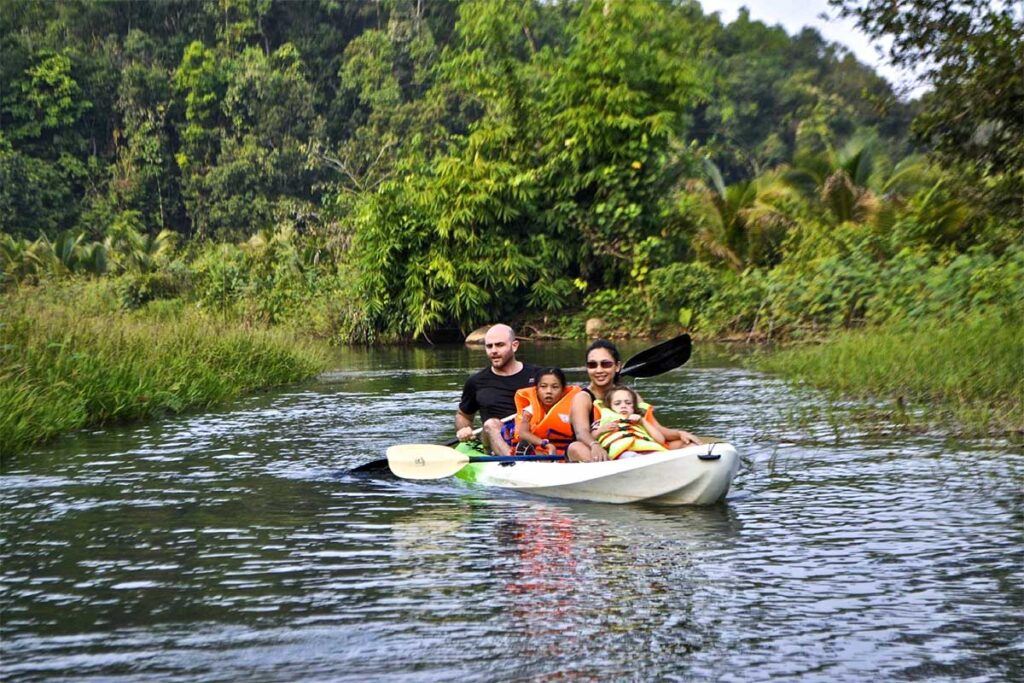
137 289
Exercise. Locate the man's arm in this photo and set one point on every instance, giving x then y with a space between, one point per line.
463 426
467 408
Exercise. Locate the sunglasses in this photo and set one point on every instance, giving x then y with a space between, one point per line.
604 364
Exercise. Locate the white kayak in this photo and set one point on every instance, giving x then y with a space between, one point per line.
695 475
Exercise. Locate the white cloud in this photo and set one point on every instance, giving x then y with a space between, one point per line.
793 15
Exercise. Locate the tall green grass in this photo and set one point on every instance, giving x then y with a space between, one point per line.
968 377
68 361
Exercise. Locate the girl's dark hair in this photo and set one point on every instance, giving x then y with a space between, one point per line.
621 387
557 372
604 344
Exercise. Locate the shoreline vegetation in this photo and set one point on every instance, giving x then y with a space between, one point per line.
964 378
71 356
69 362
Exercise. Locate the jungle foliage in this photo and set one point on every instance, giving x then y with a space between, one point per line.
382 171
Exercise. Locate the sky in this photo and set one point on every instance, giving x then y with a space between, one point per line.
795 14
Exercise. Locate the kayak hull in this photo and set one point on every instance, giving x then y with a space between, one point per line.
696 475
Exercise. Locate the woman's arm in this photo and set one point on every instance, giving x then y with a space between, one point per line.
674 438
654 430
588 449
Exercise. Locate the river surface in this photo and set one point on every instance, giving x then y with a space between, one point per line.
234 544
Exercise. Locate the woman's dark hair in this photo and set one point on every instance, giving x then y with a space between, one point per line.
557 372
604 344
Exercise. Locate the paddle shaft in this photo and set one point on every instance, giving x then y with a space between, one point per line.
429 461
515 458
453 442
382 463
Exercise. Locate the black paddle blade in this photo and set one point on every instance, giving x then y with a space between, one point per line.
374 467
659 358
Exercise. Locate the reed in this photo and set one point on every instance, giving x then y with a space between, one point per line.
67 364
965 377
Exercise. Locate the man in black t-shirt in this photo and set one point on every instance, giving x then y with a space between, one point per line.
492 391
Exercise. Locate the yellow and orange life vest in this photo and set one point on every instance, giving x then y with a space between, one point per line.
553 425
630 436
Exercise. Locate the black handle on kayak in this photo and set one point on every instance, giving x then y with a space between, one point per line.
710 455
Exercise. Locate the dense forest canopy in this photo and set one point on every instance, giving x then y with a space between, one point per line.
410 165
217 118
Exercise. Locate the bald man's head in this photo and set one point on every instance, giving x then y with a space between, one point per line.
501 344
500 331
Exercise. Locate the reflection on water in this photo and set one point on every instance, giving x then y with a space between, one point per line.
232 544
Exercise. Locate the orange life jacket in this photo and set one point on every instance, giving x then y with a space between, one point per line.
554 425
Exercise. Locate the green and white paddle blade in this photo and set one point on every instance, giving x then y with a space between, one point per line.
425 461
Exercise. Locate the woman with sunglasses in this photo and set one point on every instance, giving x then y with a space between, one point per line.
603 367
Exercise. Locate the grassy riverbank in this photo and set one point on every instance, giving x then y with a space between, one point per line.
70 358
965 377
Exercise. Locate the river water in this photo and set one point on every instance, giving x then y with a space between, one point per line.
234 544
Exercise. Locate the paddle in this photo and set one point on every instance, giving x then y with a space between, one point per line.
650 362
659 358
427 461
380 464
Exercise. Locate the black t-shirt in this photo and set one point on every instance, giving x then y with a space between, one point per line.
494 395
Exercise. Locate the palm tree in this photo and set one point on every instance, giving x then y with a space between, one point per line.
135 251
65 250
19 259
842 182
743 224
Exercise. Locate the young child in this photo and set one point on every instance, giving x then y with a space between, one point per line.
621 430
542 414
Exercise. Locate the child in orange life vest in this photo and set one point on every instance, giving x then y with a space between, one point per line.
621 430
543 414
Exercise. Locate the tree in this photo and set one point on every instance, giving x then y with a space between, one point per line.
41 142
768 87
969 52
744 224
248 119
617 110
842 182
144 177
